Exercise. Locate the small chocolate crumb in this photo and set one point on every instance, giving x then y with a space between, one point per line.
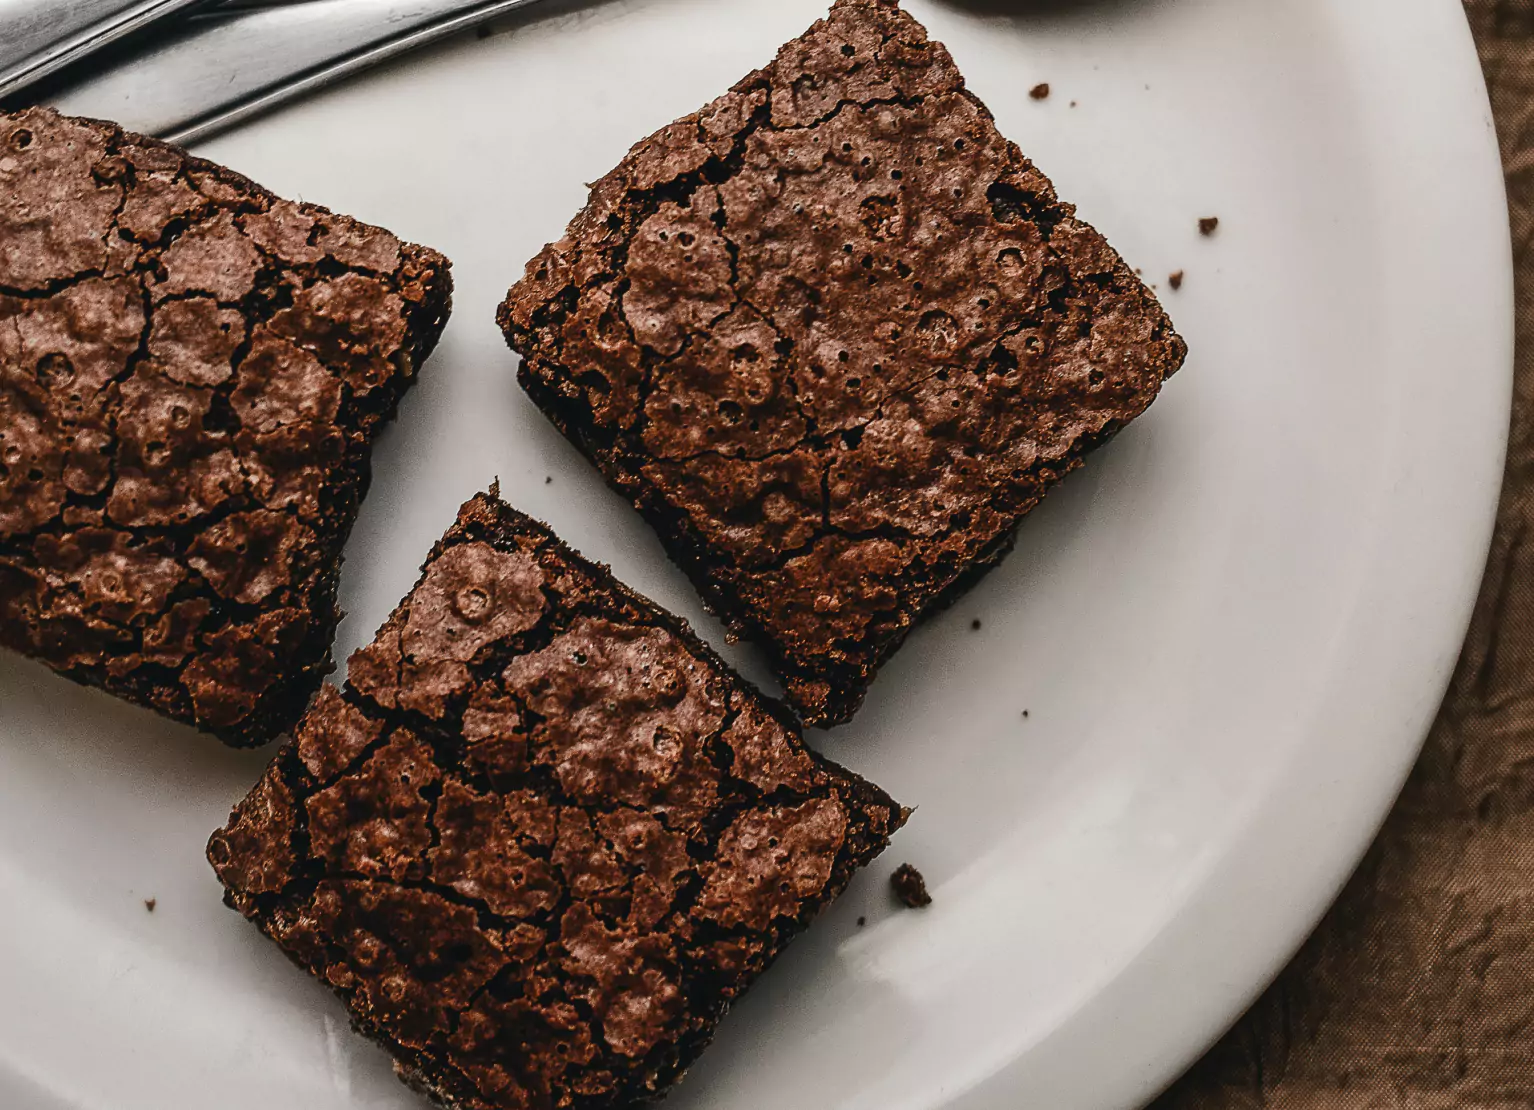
1073 104
862 921
1175 281
910 887
1208 224
548 479
975 624
1040 91
151 903
1025 713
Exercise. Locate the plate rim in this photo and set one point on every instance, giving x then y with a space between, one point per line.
1126 1046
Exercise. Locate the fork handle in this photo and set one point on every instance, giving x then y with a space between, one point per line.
36 39
223 69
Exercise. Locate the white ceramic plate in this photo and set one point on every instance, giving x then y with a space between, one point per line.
1229 632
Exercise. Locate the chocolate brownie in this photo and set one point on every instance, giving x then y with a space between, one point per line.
835 336
192 373
544 837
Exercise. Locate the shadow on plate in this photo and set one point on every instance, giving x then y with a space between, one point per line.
1056 12
1043 7
579 10
62 724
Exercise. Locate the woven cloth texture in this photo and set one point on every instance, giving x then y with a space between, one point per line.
1417 991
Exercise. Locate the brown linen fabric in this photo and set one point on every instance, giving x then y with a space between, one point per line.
1417 991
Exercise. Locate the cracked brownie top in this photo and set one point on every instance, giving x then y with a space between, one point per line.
544 837
835 335
192 372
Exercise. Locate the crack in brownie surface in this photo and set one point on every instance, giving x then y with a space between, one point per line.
544 837
835 336
192 372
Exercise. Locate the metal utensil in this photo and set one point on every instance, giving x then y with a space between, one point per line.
38 37
222 68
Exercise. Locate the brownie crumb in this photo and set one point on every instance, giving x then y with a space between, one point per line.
862 921
1208 225
910 887
151 903
1040 91
1073 104
1175 281
548 479
975 624
1025 714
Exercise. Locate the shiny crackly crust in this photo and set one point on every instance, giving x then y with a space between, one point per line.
835 336
192 372
544 837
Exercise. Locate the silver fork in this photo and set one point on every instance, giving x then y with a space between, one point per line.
222 67
39 37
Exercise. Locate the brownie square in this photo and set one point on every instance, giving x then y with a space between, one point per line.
192 373
835 336
544 837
